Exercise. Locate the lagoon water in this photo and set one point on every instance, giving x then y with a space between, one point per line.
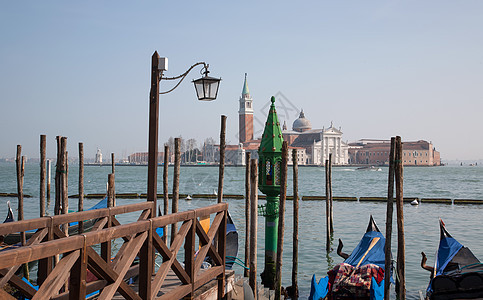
351 218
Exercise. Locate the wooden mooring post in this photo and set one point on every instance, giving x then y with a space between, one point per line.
80 205
57 176
401 248
281 222
331 208
253 225
64 183
389 213
174 204
247 212
49 176
42 175
328 221
165 189
293 292
113 164
20 166
222 159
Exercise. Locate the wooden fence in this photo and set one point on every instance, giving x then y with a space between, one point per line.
67 279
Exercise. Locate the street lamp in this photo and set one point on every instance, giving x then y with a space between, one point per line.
206 90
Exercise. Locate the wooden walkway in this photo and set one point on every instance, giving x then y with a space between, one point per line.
67 278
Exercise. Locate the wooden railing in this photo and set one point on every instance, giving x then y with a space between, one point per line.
78 256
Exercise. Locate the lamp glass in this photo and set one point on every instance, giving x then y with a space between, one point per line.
207 88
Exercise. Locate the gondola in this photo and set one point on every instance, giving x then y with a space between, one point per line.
458 274
360 276
15 238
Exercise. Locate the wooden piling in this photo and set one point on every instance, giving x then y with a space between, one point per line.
331 210
49 176
57 204
253 225
295 248
64 184
222 159
247 211
80 205
389 213
20 166
400 221
281 222
327 205
112 164
174 204
42 175
111 202
165 189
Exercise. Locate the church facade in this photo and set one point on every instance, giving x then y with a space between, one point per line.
318 143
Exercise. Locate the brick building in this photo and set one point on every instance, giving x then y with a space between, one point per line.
376 152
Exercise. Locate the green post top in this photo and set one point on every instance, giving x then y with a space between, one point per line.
270 154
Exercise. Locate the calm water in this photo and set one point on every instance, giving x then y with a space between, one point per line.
351 218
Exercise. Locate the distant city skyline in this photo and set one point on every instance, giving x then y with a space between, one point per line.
377 69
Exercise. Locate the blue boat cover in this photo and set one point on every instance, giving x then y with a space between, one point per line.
374 256
448 247
319 290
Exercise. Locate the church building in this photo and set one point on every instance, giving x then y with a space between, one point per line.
318 143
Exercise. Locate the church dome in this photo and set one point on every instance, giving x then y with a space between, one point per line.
301 124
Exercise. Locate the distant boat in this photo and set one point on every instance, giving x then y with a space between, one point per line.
188 197
415 202
369 168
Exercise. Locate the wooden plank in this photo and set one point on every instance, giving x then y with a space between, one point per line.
122 262
19 284
103 270
57 278
165 266
211 234
163 249
204 239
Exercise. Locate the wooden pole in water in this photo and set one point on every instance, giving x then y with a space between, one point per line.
253 225
295 249
57 204
64 184
110 190
81 184
400 221
20 165
247 211
165 189
281 223
112 163
327 205
42 174
222 159
331 210
389 213
49 176
174 205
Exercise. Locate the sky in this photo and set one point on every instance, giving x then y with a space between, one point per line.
377 69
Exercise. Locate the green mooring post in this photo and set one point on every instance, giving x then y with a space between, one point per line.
269 179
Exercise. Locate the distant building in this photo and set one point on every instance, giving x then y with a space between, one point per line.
142 158
318 143
98 156
245 115
376 152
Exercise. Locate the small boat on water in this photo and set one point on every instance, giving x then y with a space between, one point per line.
369 168
360 276
457 274
15 238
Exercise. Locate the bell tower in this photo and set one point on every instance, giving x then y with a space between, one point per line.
245 115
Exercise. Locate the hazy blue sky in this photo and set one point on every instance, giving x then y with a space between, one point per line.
81 69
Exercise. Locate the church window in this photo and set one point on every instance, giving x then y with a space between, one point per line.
249 105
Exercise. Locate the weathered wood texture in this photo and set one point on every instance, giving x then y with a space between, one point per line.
389 214
281 222
42 174
247 212
253 224
176 171
80 206
80 258
222 159
165 187
401 248
295 239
